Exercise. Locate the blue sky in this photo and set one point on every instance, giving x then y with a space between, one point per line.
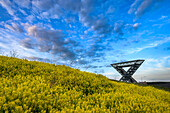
90 34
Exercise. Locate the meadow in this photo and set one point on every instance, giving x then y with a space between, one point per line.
31 86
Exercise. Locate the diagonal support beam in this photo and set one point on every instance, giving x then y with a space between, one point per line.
127 75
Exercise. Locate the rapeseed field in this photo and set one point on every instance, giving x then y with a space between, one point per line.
31 86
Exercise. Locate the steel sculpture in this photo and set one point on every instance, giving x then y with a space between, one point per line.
127 75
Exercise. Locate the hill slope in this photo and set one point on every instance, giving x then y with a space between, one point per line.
32 86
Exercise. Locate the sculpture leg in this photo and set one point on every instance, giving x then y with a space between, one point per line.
121 79
128 79
133 80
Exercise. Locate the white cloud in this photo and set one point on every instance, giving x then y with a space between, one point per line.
109 73
23 3
163 17
11 8
22 11
10 42
14 27
2 45
142 8
110 10
118 26
134 6
136 25
55 12
139 7
155 44
43 4
7 5
30 18
70 5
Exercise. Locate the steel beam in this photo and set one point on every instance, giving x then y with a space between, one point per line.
127 75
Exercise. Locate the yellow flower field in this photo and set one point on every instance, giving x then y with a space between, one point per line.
31 86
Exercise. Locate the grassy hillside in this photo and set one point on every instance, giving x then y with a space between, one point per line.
30 86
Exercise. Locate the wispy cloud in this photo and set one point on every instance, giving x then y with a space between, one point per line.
118 26
14 27
163 17
7 5
139 7
9 42
24 4
151 45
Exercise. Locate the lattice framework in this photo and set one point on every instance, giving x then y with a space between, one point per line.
127 75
